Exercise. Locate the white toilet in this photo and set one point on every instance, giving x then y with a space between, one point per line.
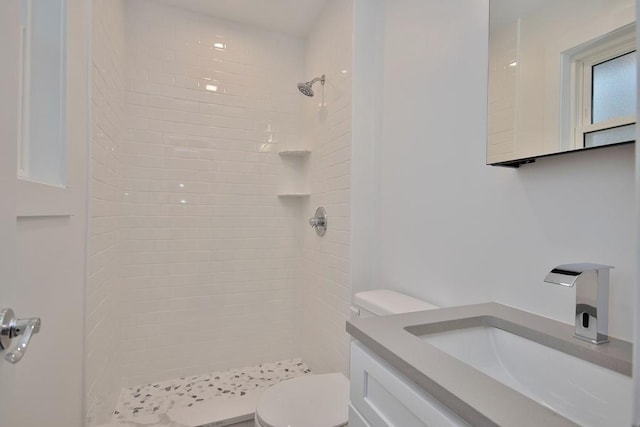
323 400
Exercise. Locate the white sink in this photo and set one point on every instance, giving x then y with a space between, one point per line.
585 393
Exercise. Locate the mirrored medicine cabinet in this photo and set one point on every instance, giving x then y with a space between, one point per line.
562 77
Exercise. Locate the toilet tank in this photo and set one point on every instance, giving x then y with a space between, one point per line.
382 302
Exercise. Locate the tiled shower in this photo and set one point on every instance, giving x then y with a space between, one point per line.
200 257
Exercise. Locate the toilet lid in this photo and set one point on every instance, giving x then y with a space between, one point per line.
307 401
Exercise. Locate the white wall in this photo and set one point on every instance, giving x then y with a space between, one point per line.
189 242
103 290
209 250
324 290
503 80
367 133
454 231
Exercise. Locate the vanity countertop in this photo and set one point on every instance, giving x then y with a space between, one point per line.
474 396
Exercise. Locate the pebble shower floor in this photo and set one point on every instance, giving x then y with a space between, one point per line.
150 405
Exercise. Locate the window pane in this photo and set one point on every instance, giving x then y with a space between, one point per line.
614 88
43 148
610 136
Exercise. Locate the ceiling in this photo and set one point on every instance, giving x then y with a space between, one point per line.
294 17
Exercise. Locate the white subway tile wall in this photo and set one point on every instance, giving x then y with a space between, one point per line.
103 293
195 264
503 52
324 291
209 251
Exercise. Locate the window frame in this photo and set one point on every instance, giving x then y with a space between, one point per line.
51 149
583 59
36 197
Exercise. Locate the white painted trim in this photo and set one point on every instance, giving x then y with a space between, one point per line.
294 195
609 124
24 94
294 153
35 199
86 159
635 416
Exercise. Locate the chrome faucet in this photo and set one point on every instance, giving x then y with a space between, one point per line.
592 297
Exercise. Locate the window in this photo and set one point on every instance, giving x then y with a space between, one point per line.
42 139
603 75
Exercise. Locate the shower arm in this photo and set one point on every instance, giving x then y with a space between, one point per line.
317 79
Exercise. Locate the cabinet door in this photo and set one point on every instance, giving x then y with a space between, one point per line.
355 419
385 397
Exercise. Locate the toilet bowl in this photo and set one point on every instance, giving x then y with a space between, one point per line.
323 400
309 401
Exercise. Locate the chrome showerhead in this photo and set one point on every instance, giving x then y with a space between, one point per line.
306 89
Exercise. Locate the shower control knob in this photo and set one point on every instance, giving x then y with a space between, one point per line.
319 221
316 222
10 327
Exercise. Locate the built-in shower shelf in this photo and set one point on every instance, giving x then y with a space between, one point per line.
294 195
294 153
294 180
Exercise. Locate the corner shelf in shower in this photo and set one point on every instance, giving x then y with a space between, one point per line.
293 195
294 153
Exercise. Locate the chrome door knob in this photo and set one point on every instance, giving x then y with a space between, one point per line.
10 327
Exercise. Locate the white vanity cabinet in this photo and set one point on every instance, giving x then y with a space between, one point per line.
382 396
